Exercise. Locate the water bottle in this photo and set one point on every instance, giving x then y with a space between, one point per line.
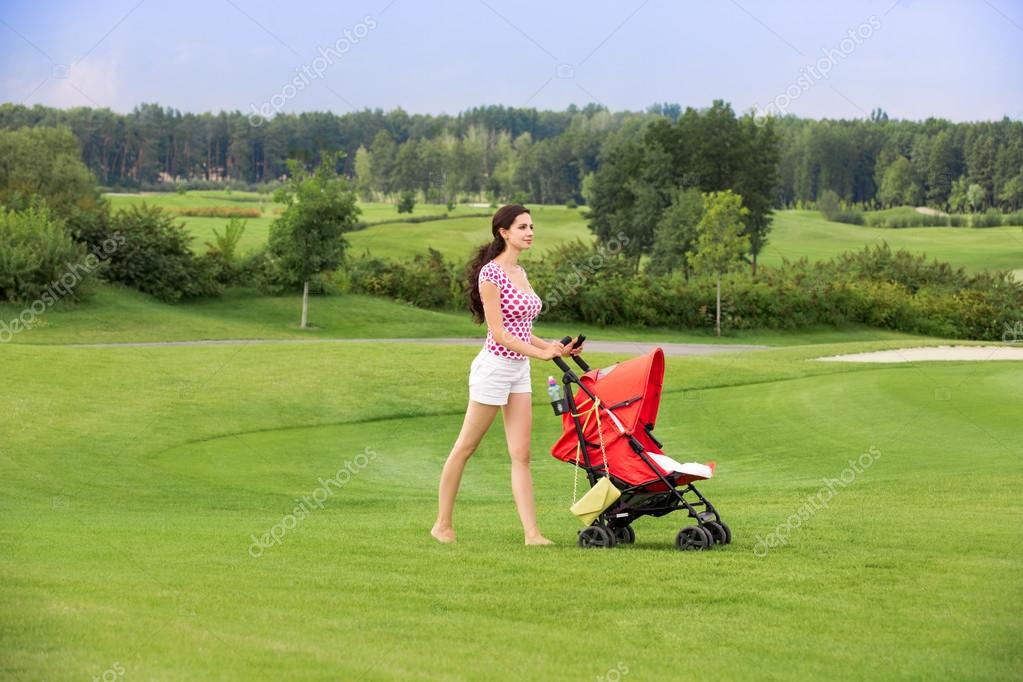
557 399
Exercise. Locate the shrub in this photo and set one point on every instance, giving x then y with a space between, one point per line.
155 257
875 286
427 281
990 218
406 201
852 216
261 270
223 251
218 212
828 203
39 261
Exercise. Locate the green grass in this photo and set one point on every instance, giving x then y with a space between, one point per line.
795 234
257 230
457 238
119 314
131 480
798 234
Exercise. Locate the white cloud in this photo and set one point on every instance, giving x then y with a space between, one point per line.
91 83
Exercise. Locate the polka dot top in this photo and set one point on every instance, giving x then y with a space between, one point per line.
518 309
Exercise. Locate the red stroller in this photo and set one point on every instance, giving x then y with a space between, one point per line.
608 431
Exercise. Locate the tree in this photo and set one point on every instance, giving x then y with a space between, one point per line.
46 163
308 238
406 201
829 204
720 244
942 167
1011 195
976 197
756 182
897 186
364 173
957 199
676 233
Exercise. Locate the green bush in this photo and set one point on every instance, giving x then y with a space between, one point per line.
261 270
155 257
876 286
427 281
990 218
852 216
39 261
406 201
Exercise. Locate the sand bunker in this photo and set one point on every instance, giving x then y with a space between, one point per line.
933 353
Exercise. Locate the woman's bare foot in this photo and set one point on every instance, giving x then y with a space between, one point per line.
538 540
444 536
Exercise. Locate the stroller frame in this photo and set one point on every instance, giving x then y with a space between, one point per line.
613 524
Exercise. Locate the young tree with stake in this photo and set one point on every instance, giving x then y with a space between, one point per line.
319 207
720 242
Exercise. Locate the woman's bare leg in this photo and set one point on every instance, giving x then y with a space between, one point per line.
478 418
518 424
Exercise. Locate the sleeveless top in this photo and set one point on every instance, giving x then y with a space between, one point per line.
518 309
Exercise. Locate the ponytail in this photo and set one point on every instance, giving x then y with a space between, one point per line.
486 253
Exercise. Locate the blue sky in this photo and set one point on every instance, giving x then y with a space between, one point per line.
960 60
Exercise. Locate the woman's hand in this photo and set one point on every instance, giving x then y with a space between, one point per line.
577 348
554 350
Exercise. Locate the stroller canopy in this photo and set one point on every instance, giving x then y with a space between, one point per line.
631 390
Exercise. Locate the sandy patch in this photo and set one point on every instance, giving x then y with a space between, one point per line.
927 210
978 353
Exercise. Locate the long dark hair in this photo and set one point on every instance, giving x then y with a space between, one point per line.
486 253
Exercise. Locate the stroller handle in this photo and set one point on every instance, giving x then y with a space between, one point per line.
562 365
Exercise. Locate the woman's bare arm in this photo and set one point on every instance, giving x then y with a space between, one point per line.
491 297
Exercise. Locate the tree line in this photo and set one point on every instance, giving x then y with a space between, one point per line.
506 153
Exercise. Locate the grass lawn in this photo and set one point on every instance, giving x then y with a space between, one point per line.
457 238
805 233
257 230
795 233
117 314
133 479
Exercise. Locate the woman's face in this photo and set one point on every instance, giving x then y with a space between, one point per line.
520 234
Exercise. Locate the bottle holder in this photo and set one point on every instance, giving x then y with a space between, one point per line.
559 406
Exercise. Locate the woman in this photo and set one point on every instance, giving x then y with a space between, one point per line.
499 294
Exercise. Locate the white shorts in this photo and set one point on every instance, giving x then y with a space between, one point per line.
492 378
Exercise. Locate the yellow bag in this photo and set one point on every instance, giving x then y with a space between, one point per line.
600 497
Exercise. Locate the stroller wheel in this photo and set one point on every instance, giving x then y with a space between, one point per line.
625 535
717 531
693 538
728 533
596 536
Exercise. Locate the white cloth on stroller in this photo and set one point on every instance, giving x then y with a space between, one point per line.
689 468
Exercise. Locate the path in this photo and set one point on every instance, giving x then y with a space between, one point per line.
631 347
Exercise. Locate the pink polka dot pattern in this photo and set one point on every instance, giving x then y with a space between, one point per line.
518 310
